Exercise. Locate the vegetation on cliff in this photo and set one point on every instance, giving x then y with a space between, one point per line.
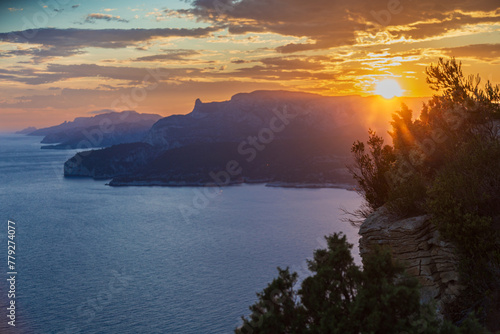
445 163
340 297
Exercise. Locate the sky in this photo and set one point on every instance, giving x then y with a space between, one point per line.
62 59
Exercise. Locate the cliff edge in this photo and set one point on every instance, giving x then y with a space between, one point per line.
416 244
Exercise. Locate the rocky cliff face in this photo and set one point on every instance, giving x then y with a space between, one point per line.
416 244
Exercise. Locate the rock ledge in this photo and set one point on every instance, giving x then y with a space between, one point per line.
416 244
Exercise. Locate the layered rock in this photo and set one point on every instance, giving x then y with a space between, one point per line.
415 243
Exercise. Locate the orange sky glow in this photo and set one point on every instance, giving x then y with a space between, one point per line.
61 61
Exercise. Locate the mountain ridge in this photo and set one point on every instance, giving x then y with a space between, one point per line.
102 130
281 137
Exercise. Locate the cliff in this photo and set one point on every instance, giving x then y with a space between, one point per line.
114 161
102 130
284 137
246 114
287 138
415 243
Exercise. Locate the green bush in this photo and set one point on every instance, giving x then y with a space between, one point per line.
371 164
407 199
342 298
465 194
463 200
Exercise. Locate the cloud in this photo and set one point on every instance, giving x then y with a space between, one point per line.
58 72
65 98
282 63
287 68
92 18
177 55
108 87
99 38
166 98
271 73
241 61
75 6
442 23
102 111
272 69
485 52
43 54
12 9
31 76
327 23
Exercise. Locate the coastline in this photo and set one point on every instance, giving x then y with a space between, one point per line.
299 185
267 183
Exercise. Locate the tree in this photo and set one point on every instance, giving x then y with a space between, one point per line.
399 176
445 163
341 298
369 170
447 76
464 109
328 295
276 309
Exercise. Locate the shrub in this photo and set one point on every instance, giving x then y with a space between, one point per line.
447 163
407 198
463 201
341 298
465 195
370 168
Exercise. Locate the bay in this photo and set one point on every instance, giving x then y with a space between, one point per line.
96 259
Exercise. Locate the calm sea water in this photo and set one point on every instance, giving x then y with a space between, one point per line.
96 259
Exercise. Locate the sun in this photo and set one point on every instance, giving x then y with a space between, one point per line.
388 89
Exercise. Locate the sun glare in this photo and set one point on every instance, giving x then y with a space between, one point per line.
388 89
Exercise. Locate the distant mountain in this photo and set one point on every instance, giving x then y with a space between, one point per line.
265 136
245 114
26 131
102 130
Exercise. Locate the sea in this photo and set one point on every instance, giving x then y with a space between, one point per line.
90 258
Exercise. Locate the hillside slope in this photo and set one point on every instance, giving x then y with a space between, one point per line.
273 136
103 130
